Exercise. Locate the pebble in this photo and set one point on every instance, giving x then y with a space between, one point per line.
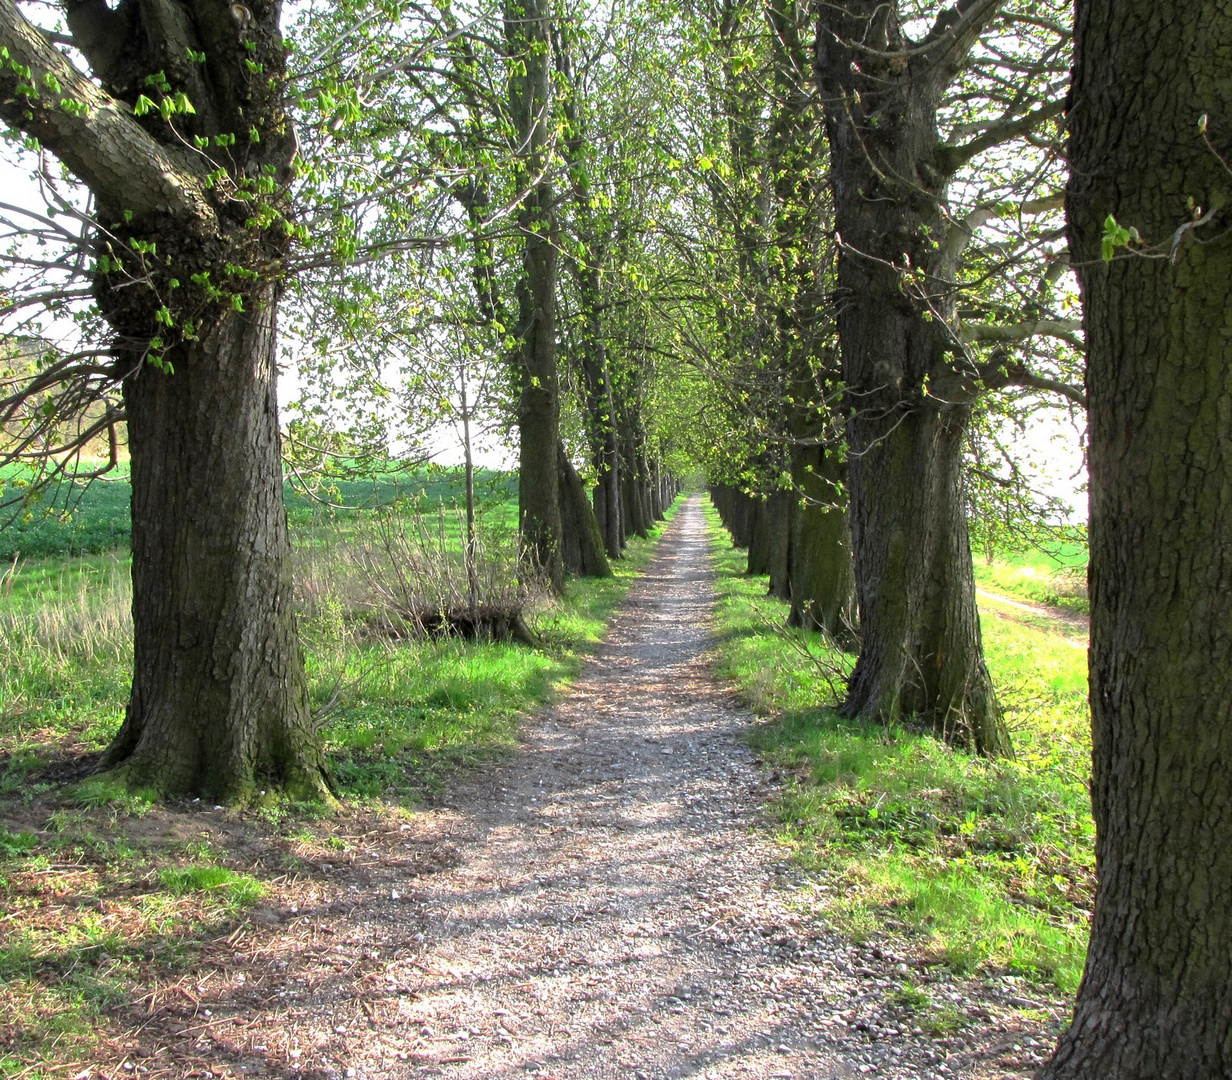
644 899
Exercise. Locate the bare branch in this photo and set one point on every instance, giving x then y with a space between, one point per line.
1000 131
1002 372
961 232
1066 330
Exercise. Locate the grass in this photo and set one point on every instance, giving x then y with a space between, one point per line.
983 866
106 893
236 890
94 519
402 718
1055 575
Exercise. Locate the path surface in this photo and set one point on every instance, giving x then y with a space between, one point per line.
612 905
1074 619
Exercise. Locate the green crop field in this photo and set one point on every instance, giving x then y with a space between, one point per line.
87 520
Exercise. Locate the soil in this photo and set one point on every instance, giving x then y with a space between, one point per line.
610 902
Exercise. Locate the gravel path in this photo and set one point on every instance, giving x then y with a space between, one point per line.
609 906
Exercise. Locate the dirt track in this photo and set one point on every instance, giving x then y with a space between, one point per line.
608 903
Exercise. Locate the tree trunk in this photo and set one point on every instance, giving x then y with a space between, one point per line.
595 243
741 527
633 506
920 648
760 536
470 552
527 32
643 487
538 415
581 541
823 584
219 702
607 491
1156 997
601 417
780 510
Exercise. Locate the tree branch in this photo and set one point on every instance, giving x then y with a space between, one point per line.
92 133
1000 131
953 35
961 231
1000 373
991 334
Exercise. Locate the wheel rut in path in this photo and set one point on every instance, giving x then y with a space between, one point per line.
612 910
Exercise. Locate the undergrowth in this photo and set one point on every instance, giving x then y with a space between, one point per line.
983 865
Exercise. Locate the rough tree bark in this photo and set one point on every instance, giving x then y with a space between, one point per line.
581 541
595 240
633 506
600 421
822 573
527 32
814 570
219 699
921 653
1156 997
219 702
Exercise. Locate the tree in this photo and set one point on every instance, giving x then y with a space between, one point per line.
910 380
1156 995
187 151
528 34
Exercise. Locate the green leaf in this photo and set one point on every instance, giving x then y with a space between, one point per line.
1115 236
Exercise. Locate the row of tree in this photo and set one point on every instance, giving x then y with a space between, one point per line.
804 246
1148 164
905 266
206 201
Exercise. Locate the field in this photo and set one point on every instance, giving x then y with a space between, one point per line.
94 520
103 891
979 865
1055 575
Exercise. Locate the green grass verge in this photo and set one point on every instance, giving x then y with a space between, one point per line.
982 865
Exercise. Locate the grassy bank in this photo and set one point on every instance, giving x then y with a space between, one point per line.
107 898
979 865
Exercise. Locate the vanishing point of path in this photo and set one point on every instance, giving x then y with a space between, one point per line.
608 904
